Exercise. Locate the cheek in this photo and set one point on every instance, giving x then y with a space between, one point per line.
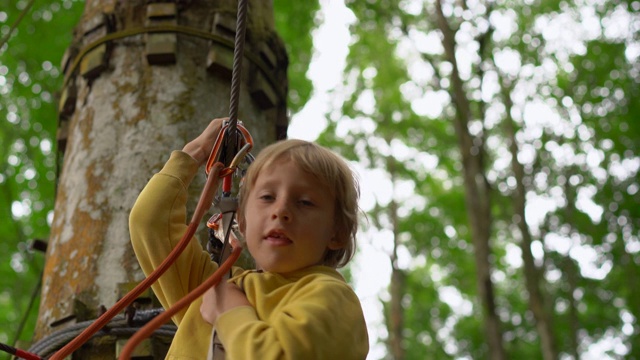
247 225
337 241
337 233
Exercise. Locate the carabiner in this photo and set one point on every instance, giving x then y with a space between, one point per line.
215 151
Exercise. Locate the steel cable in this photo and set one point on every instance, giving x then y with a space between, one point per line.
238 53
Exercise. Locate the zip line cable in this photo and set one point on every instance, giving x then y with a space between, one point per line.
226 259
238 54
121 325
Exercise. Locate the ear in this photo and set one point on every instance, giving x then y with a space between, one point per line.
335 244
242 224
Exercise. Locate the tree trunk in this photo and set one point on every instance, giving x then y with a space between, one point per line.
571 272
398 281
477 195
126 106
537 305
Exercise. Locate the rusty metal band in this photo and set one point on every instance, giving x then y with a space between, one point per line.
186 30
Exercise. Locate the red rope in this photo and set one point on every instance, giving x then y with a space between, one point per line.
19 353
26 355
215 170
162 318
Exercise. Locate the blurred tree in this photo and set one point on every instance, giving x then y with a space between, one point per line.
510 126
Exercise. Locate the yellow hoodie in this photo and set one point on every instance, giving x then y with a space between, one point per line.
307 314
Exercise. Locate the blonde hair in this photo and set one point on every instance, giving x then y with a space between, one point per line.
333 172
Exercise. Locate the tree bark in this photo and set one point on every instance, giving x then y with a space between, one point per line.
537 305
477 195
121 127
571 271
397 283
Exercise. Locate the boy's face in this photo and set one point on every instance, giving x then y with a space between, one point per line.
288 219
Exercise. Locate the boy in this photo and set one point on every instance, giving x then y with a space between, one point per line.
298 215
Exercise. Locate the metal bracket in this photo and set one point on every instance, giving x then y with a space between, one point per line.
69 95
220 58
161 49
62 134
282 122
144 350
261 91
97 60
228 207
146 299
79 312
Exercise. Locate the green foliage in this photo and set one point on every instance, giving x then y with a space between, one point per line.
29 81
295 21
424 341
574 90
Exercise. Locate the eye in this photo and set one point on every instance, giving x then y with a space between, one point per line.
306 202
266 197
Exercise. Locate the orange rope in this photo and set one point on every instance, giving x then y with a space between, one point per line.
204 203
162 318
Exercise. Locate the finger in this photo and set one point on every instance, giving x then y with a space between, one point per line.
215 125
234 242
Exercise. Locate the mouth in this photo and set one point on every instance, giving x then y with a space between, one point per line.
277 238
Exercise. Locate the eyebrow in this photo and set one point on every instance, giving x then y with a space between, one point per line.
316 187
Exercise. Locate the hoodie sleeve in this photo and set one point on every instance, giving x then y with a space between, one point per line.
322 319
158 221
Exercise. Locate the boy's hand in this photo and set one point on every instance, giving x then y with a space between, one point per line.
200 147
220 299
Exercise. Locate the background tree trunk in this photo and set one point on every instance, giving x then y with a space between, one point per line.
477 196
397 284
569 268
532 278
129 114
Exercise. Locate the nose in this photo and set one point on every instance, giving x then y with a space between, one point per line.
281 211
